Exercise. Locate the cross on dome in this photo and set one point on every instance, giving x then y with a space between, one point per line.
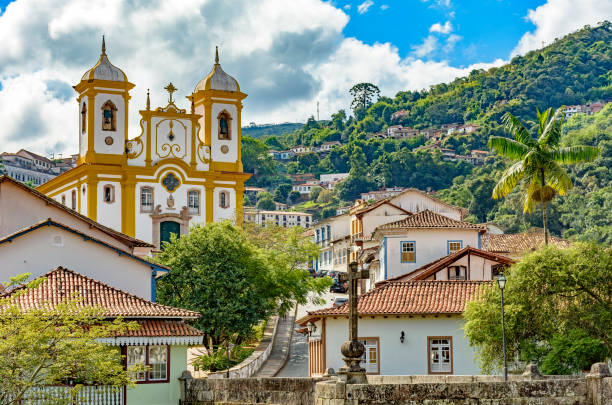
104 69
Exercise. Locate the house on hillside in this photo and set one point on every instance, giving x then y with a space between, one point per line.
415 200
304 188
286 219
327 146
407 328
161 342
377 195
332 236
412 242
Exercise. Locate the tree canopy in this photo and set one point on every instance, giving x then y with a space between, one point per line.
558 307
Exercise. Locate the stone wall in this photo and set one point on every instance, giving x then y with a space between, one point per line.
529 389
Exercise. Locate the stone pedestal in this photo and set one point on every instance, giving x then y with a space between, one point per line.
352 373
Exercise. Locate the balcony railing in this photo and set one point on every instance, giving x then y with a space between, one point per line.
86 395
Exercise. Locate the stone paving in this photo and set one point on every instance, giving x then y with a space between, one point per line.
280 350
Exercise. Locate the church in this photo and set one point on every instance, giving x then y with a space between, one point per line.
183 169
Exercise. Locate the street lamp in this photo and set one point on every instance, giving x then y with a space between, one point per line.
501 283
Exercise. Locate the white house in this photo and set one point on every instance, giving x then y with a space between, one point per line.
415 200
304 188
333 237
285 219
408 328
416 240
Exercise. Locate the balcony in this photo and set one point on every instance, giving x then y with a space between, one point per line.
357 238
87 395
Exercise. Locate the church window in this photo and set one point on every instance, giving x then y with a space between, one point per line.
84 118
224 125
74 199
224 199
193 197
109 194
146 199
109 116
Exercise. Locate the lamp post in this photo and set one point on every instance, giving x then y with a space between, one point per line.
501 283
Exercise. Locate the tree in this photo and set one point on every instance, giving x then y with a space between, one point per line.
538 161
266 203
364 95
558 307
294 197
52 345
282 193
325 197
314 192
217 272
328 212
236 278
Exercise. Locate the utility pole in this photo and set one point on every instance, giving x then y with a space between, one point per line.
317 111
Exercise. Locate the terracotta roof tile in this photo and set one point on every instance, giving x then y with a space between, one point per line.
162 327
62 283
411 298
519 242
430 219
378 204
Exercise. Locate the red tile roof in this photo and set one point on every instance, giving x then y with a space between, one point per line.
430 219
126 239
410 298
519 242
162 327
62 284
378 204
430 268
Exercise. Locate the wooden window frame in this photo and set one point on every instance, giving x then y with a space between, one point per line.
448 273
377 338
199 194
147 380
224 114
448 243
402 251
112 187
452 356
147 211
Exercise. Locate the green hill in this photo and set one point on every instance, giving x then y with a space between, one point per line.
257 131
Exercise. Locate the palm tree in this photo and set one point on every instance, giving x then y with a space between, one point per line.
537 161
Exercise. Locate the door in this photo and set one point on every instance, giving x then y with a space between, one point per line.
167 228
369 360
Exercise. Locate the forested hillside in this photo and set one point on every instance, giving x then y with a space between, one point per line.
576 69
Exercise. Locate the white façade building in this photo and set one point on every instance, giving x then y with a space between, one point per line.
416 240
408 328
183 168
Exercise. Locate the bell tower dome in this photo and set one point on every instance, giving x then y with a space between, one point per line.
103 99
218 99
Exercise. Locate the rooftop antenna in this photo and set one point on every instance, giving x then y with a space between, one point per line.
317 110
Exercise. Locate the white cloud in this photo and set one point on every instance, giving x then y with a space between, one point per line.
557 18
286 56
451 41
429 45
384 7
347 6
365 6
442 29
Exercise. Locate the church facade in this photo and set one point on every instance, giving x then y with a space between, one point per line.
184 168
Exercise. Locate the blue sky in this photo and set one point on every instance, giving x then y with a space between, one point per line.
489 29
287 55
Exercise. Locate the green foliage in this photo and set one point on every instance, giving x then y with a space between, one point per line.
236 278
364 94
218 360
273 129
294 197
328 212
549 295
52 346
314 192
266 204
282 193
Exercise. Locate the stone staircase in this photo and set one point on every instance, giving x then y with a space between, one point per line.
280 349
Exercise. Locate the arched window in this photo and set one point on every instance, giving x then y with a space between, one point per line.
74 199
109 116
109 194
224 125
224 199
84 118
146 199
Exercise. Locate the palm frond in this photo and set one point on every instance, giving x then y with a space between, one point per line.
509 180
550 126
557 178
508 147
575 154
517 129
529 204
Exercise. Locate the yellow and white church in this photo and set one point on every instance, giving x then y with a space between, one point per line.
184 168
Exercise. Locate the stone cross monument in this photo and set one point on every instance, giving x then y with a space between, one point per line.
353 349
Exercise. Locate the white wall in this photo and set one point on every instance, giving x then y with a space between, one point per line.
479 268
219 213
109 214
410 357
37 253
384 214
118 146
232 154
431 244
